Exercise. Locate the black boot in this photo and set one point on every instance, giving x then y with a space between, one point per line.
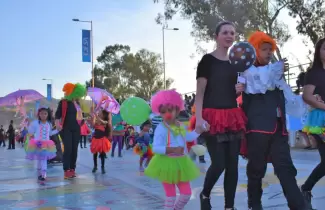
205 202
95 163
102 158
307 196
103 170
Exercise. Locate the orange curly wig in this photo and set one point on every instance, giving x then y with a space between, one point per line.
68 88
258 38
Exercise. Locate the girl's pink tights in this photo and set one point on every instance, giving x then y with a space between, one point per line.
170 191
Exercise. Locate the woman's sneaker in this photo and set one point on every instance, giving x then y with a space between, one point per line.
67 174
73 173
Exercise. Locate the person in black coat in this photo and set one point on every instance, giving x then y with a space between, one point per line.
267 136
11 135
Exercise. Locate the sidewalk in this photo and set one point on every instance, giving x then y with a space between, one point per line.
123 187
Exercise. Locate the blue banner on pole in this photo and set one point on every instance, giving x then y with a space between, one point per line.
86 46
49 92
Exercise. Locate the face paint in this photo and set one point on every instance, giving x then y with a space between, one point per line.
167 116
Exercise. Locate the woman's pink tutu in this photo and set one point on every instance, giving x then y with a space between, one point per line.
40 150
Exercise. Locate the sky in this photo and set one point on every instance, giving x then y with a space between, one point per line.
40 40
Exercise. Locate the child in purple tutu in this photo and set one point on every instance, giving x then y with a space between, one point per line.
40 147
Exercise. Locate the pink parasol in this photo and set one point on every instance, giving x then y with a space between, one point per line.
104 100
25 95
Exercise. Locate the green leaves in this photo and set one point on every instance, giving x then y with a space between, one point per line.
126 74
248 16
310 16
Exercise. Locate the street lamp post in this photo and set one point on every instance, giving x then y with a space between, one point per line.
92 47
51 82
164 62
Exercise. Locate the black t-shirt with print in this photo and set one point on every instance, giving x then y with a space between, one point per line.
221 78
316 77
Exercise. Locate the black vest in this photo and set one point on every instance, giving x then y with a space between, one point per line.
260 110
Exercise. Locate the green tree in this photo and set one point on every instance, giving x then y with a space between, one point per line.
248 16
145 73
125 74
310 16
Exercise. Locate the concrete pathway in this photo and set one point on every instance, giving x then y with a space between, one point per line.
123 187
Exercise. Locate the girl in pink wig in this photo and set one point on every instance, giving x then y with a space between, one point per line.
170 164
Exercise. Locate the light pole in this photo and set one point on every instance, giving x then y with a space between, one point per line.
51 82
92 47
164 62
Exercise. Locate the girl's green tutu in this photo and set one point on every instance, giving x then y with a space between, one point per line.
172 170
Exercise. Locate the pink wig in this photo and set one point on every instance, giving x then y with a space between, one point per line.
166 97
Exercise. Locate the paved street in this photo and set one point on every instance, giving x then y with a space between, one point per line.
123 187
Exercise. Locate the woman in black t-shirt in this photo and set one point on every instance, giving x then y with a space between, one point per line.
216 105
315 84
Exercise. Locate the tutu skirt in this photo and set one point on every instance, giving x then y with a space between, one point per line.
315 123
143 150
225 124
100 145
40 149
172 169
225 120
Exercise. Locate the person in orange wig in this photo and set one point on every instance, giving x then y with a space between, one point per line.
267 134
68 118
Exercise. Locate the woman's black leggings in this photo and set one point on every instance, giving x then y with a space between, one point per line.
70 138
319 171
224 157
102 158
